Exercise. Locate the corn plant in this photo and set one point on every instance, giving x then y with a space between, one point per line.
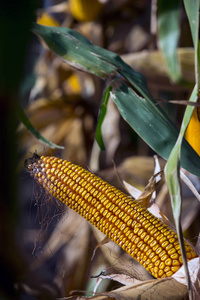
93 198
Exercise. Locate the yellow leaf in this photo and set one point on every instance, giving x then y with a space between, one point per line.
83 11
193 131
47 20
75 84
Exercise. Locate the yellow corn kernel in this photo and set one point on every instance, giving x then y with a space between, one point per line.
93 198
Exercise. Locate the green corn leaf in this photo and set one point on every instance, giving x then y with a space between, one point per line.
81 54
153 127
25 120
172 174
172 169
173 163
75 49
192 11
102 115
137 107
168 34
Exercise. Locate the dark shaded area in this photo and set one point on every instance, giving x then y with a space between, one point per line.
15 21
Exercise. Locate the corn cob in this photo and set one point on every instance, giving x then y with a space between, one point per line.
122 219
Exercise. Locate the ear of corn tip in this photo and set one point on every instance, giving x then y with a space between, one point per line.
123 220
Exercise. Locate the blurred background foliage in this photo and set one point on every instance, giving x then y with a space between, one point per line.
53 246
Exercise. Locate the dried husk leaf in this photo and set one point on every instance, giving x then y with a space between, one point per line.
164 289
70 243
152 62
70 229
194 270
110 130
140 167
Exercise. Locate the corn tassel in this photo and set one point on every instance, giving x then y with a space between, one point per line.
123 220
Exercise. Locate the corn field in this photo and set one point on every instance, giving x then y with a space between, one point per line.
100 145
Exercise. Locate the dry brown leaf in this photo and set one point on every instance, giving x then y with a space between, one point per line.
103 242
70 243
152 62
133 191
74 140
190 212
147 196
124 279
194 270
110 131
189 183
140 168
157 289
70 229
163 289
